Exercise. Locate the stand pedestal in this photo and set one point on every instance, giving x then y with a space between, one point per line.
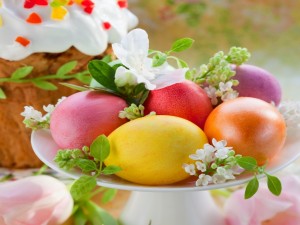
171 208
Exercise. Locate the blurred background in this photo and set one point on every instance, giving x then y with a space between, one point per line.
270 29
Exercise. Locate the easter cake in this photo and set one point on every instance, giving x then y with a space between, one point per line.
44 35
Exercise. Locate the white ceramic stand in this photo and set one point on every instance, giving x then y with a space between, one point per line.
178 204
171 208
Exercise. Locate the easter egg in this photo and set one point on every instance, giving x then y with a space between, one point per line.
83 116
249 125
151 150
257 83
186 100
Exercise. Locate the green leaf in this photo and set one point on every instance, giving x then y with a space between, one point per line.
251 188
75 87
159 59
83 186
2 94
111 170
107 59
116 66
182 44
143 97
182 64
247 163
66 68
84 78
86 165
22 72
79 218
139 88
274 185
100 148
103 73
92 213
45 85
108 195
97 215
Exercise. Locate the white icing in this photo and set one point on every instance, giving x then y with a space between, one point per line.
79 29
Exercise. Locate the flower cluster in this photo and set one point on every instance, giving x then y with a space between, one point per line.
34 119
133 112
291 112
224 91
215 163
216 76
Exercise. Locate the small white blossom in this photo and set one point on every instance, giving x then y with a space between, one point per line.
205 155
211 93
49 108
228 95
222 153
60 100
203 180
201 166
227 173
221 149
236 170
218 179
223 87
290 111
31 113
189 168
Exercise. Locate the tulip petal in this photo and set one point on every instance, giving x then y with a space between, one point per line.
265 208
34 200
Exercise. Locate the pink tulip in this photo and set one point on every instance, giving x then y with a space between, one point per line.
264 208
36 200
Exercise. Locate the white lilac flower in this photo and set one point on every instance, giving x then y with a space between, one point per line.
236 170
290 111
31 113
203 180
49 108
228 95
211 93
221 149
224 87
60 100
218 179
226 173
189 168
200 155
133 54
205 155
201 166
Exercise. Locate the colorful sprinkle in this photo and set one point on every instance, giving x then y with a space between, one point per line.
122 3
89 9
23 41
87 3
106 25
41 2
1 21
28 4
58 13
34 18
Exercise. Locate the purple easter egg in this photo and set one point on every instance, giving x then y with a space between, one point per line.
257 83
